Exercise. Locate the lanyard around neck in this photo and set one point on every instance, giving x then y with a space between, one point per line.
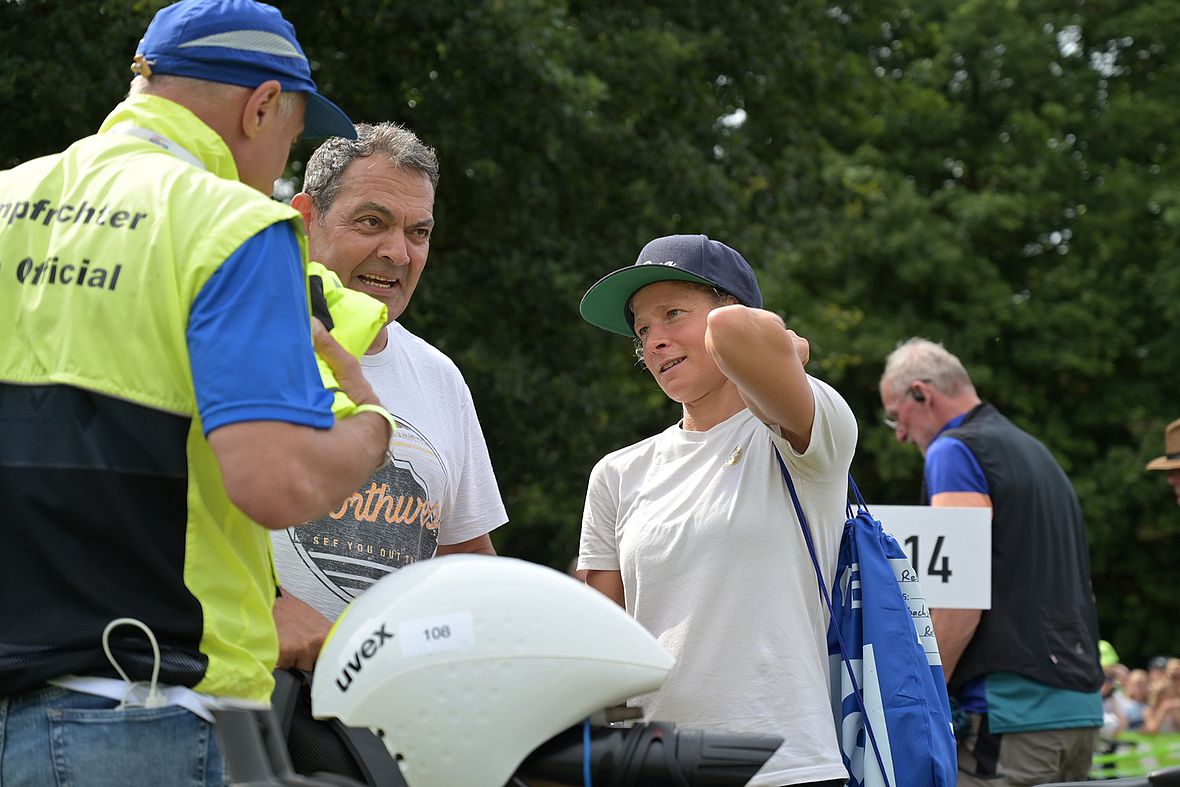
159 140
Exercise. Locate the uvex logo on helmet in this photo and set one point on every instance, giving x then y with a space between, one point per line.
366 651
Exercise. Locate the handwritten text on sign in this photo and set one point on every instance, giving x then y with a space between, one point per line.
950 548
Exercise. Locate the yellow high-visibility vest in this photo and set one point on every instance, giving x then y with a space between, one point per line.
103 249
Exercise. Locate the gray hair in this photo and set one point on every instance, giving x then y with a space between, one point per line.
216 92
322 178
922 359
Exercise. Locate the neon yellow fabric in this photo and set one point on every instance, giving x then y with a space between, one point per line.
125 234
356 318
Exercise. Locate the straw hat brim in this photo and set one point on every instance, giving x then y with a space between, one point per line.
1163 463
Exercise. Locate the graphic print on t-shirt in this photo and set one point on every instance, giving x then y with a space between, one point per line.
390 522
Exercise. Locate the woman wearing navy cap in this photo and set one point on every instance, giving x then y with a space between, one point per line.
692 530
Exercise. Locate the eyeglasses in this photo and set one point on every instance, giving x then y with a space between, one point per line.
890 419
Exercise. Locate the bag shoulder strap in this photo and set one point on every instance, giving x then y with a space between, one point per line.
823 590
373 759
368 752
288 684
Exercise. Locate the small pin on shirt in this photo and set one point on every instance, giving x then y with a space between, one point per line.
735 457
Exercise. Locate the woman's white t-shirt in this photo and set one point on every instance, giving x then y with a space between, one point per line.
714 564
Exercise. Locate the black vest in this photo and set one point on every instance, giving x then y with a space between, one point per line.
1042 623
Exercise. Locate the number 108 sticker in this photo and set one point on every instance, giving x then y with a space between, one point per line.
950 549
437 633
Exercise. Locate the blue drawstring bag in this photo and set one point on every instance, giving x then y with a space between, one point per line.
889 699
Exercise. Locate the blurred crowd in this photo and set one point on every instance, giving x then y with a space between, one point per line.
1140 700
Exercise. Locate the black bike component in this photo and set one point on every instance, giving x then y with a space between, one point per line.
255 753
328 746
646 755
651 755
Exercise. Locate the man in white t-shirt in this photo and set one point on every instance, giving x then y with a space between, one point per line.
368 206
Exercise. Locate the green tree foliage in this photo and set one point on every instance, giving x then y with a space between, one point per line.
999 176
62 67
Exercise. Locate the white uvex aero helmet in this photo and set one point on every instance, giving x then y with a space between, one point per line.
466 663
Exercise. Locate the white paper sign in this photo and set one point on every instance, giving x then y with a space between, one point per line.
452 631
950 548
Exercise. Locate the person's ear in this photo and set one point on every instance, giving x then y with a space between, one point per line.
261 108
303 203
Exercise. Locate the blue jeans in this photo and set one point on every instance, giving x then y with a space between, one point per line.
57 737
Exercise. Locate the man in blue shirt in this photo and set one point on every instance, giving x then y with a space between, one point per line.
160 405
1026 670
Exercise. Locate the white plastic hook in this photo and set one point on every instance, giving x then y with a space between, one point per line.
154 698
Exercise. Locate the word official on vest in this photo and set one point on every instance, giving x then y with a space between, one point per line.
54 271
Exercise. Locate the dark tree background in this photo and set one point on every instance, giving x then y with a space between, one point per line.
1001 177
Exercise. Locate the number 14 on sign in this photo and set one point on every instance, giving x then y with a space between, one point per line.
949 548
934 568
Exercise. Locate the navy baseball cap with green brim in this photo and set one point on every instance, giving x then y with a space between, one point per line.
691 258
237 42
